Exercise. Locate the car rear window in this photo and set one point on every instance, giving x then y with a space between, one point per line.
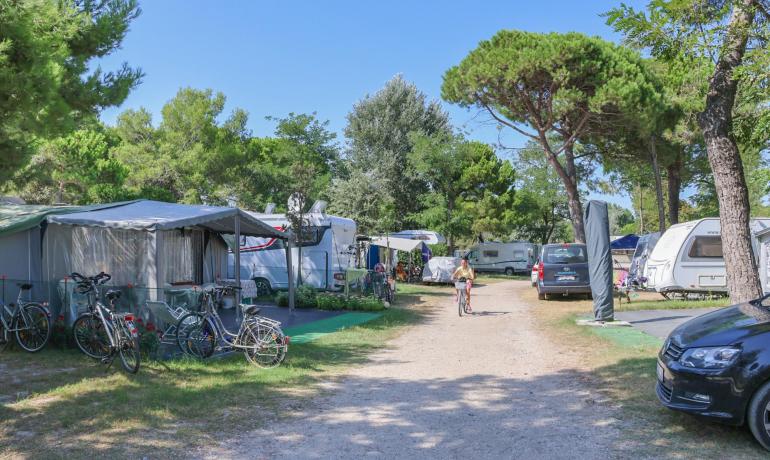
565 255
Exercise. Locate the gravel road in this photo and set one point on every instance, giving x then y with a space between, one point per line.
486 386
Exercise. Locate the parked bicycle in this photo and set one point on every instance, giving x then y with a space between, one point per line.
102 333
201 334
462 300
29 322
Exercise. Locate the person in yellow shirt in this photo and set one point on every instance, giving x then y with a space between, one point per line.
465 271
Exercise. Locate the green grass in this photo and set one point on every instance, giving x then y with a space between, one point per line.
670 304
59 401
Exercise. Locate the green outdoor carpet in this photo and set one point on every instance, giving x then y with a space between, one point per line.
313 330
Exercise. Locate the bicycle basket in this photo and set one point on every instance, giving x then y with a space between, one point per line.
460 284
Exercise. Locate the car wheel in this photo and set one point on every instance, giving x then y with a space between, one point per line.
758 415
509 271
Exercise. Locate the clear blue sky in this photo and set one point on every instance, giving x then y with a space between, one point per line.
272 58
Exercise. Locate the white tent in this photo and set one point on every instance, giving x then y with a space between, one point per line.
148 245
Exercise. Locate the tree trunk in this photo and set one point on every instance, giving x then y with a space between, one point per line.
674 176
716 123
568 175
658 186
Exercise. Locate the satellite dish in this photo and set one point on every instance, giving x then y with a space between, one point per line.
319 207
295 202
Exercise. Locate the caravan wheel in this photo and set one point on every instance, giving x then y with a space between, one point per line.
263 287
509 271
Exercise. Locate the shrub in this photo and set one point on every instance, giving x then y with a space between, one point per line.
282 299
330 302
305 296
336 302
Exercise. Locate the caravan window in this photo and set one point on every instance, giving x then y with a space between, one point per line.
490 253
706 247
519 255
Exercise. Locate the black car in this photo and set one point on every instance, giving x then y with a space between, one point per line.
563 269
718 366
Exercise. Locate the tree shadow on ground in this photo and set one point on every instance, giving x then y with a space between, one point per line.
568 414
60 401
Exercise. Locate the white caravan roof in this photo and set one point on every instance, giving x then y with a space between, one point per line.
428 236
317 219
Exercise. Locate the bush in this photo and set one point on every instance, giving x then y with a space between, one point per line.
304 297
282 299
336 302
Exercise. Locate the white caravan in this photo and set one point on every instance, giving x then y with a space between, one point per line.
688 257
426 236
508 258
328 250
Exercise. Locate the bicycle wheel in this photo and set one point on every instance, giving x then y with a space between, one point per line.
90 336
185 322
461 302
128 347
201 339
33 332
5 336
265 345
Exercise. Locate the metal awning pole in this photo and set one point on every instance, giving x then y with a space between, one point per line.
290 274
237 268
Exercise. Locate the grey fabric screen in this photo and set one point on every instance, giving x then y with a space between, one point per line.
597 227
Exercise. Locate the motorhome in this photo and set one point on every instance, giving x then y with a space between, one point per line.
328 249
508 258
688 257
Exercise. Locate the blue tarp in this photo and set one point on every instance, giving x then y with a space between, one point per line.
627 242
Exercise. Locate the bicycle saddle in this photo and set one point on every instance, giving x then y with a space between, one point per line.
112 294
25 286
251 310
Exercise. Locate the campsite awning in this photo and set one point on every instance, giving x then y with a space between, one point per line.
627 242
402 244
157 215
18 217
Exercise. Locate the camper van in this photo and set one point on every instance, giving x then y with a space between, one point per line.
328 249
688 257
508 258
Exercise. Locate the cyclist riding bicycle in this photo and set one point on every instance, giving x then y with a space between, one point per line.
465 271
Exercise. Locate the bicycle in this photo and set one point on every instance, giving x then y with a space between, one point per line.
101 333
28 321
201 334
462 301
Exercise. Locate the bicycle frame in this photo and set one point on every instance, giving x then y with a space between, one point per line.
230 339
17 310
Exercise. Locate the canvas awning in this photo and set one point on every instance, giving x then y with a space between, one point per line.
157 215
18 217
402 244
627 242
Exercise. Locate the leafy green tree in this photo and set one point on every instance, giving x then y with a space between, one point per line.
469 187
48 84
540 205
540 85
75 169
733 35
378 133
263 171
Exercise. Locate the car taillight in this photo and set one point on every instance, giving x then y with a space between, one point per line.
339 276
540 272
